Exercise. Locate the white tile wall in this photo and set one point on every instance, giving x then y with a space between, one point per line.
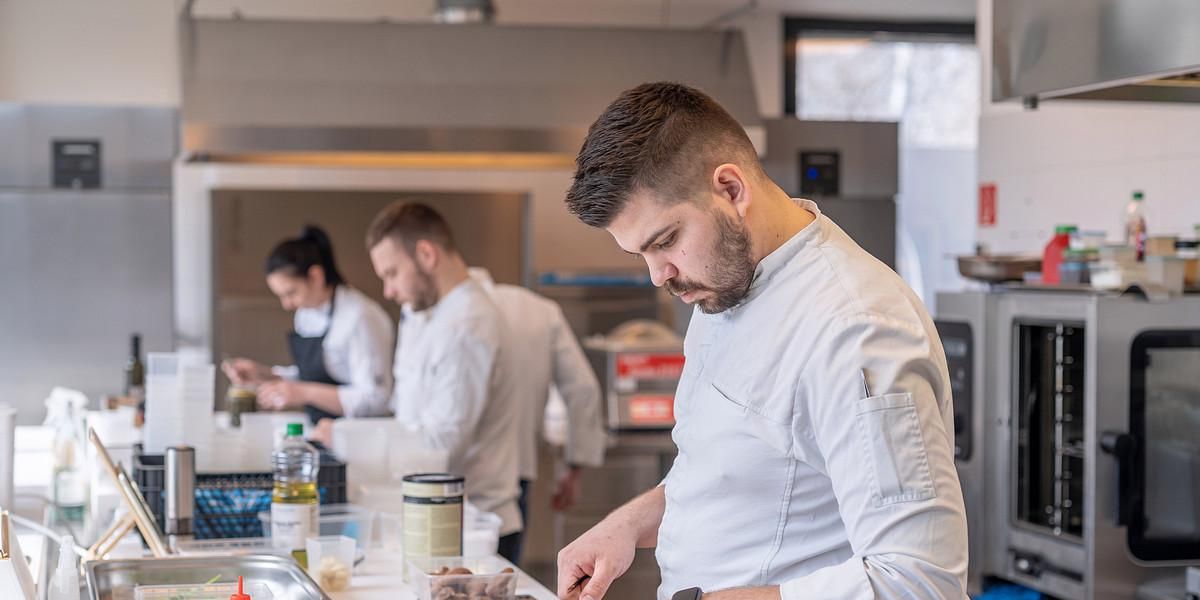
1078 162
1075 162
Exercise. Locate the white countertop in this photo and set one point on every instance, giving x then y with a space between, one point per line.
380 577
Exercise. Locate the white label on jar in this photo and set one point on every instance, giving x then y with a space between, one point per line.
292 524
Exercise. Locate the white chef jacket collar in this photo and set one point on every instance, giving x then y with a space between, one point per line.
324 307
483 277
775 261
457 295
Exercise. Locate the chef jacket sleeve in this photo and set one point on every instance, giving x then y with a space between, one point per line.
580 390
889 455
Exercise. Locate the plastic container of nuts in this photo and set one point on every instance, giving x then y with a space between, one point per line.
459 578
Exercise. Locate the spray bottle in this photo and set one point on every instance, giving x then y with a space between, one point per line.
65 585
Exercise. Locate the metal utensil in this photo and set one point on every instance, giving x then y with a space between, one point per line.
180 468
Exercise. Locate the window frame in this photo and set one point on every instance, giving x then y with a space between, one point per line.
795 28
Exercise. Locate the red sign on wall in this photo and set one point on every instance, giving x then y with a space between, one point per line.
652 409
987 205
650 366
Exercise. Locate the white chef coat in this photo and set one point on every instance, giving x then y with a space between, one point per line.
788 473
547 354
454 390
357 349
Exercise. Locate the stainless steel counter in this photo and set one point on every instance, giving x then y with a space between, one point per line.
116 579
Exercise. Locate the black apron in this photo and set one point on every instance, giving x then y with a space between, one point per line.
309 356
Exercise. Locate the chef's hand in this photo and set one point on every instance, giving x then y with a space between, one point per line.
589 565
280 394
243 371
567 490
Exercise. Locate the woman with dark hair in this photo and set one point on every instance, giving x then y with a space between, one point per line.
342 341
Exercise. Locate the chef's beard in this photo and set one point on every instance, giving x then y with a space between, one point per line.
731 272
425 293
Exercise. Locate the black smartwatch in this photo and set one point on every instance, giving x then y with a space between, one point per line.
688 594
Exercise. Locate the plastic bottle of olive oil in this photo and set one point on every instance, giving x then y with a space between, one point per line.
295 510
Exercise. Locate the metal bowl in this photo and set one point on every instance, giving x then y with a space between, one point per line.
997 268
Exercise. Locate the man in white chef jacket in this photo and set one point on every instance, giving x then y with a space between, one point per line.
549 357
814 411
453 384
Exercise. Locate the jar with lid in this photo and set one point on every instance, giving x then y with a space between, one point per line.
1076 266
240 399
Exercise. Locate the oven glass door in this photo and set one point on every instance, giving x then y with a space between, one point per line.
1165 424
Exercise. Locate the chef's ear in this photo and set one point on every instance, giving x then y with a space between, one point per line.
426 255
316 276
730 185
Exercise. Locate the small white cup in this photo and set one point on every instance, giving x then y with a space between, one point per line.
331 561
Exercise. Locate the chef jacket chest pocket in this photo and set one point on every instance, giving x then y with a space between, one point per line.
889 429
760 418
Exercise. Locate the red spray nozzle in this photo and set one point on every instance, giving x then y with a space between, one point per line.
239 595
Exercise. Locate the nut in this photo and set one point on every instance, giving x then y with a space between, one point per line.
494 588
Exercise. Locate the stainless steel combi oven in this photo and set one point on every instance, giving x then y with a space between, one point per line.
963 323
1078 436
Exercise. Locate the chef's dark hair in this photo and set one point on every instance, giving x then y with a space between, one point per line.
296 256
665 138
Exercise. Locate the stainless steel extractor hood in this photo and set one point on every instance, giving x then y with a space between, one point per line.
1143 50
319 91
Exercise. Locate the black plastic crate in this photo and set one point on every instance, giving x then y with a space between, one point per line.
227 504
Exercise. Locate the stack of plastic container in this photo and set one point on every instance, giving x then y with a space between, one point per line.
179 402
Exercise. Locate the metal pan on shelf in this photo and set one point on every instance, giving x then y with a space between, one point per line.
997 268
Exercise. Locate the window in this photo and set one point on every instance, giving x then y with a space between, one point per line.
926 77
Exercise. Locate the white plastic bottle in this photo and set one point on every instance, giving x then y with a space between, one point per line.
65 585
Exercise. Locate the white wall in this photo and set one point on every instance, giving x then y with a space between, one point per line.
1078 161
934 217
88 52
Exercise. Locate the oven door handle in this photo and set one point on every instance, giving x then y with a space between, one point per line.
1123 448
